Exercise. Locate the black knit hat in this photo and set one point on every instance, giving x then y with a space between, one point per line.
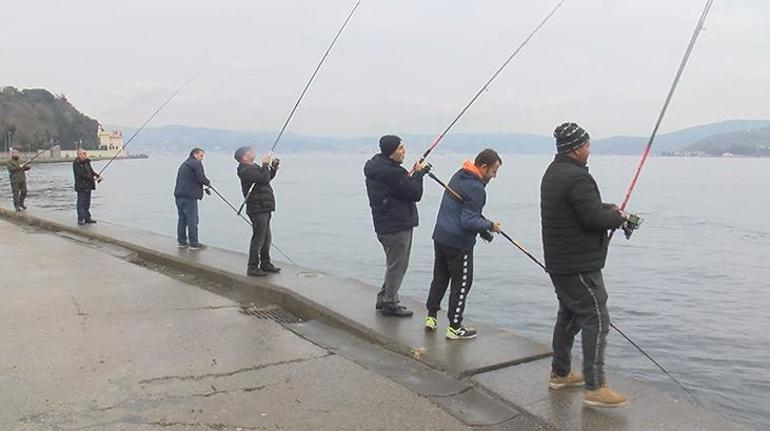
240 152
570 136
389 144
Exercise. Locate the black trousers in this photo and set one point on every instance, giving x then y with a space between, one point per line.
261 237
582 308
19 189
453 268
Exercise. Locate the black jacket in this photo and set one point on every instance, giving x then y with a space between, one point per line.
190 180
392 195
575 221
261 198
458 223
84 175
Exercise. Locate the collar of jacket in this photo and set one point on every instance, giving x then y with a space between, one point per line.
388 159
568 159
470 167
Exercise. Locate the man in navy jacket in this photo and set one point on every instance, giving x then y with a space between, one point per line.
190 180
457 224
393 196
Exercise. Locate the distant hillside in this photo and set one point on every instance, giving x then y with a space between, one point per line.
182 138
37 119
675 141
748 142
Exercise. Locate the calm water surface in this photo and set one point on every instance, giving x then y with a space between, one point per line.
691 286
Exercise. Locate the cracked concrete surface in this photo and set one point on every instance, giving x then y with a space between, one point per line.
90 341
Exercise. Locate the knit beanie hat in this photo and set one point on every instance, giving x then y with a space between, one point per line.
240 152
569 136
389 144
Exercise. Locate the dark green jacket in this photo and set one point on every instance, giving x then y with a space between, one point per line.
17 171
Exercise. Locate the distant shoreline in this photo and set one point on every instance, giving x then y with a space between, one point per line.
48 160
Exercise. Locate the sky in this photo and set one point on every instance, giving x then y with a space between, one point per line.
401 66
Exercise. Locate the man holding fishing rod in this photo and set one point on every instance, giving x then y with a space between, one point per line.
393 196
458 223
85 182
190 182
575 223
17 172
260 204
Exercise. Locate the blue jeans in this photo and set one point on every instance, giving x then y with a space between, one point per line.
188 220
84 205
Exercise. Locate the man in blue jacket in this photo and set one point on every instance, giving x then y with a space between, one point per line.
393 196
190 180
457 224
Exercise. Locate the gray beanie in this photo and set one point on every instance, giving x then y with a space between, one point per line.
570 136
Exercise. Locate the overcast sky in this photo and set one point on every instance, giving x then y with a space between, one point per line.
403 66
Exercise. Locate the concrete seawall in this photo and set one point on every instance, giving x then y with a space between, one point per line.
496 381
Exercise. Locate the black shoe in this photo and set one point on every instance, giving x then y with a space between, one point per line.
90 221
197 247
269 267
182 244
378 306
81 222
396 311
23 206
255 272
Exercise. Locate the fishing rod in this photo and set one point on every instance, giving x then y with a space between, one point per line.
612 325
505 235
272 244
483 88
647 149
40 153
304 91
157 111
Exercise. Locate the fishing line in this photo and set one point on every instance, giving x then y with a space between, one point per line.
302 94
441 136
534 259
157 111
646 152
272 244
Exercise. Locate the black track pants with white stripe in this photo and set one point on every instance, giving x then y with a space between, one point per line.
452 268
582 308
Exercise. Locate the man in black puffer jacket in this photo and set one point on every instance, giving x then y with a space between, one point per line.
260 204
85 182
575 225
393 196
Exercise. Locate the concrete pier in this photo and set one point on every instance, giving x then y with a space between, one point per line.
107 327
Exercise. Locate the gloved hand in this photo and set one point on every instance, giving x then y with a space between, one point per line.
207 191
487 236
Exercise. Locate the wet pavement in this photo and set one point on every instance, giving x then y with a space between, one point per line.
93 341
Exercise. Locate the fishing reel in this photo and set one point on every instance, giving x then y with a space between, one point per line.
632 223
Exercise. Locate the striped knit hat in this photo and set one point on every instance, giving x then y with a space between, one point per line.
569 136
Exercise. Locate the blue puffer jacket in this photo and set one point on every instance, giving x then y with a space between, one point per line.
458 223
392 195
190 180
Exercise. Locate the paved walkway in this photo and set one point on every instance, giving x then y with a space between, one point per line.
91 341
